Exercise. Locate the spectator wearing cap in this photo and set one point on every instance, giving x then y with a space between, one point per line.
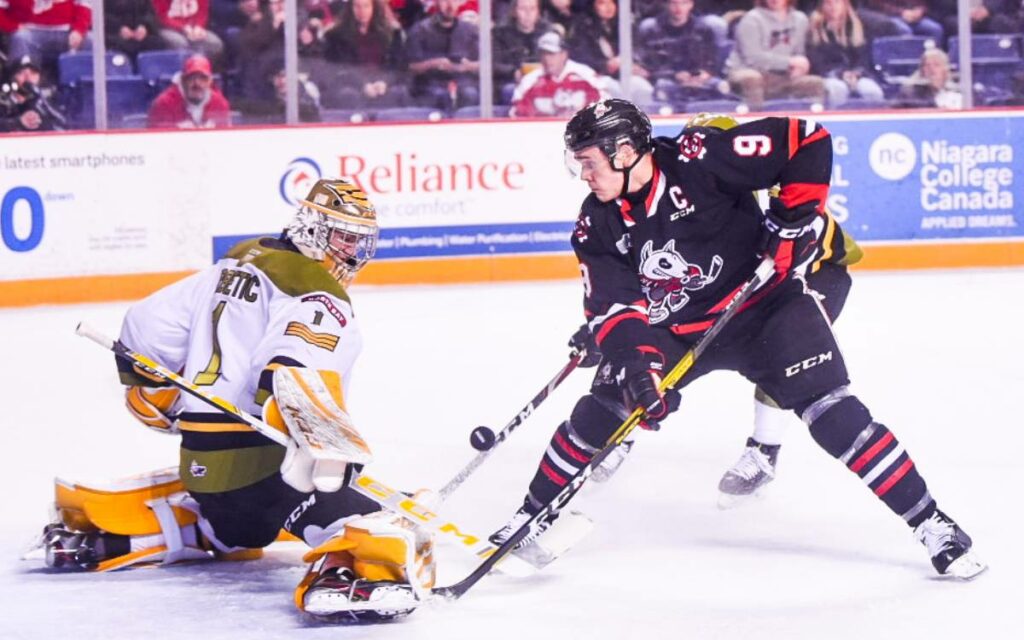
191 101
560 87
131 26
183 25
45 30
25 102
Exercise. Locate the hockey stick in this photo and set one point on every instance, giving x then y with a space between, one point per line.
377 491
485 440
764 272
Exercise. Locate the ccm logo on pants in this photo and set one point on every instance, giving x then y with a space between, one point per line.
804 365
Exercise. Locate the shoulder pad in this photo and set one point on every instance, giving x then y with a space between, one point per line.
290 271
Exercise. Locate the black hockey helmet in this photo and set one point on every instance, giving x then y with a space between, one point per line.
606 124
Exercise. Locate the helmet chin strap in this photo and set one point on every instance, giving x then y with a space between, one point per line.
625 171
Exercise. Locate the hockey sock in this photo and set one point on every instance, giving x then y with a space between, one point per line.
770 422
574 444
843 426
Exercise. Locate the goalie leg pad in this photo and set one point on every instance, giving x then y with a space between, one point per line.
376 566
122 523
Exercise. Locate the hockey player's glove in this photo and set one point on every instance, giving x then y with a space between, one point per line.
583 341
792 235
639 377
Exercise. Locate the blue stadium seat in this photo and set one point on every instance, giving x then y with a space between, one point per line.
473 112
791 104
410 114
344 115
713 106
73 66
862 104
125 95
899 55
134 121
156 64
995 58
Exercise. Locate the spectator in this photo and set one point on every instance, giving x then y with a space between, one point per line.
191 101
408 12
987 16
933 84
559 13
443 53
722 15
560 87
680 53
44 30
769 60
515 45
367 47
273 111
261 47
131 26
183 26
838 52
905 17
26 101
594 41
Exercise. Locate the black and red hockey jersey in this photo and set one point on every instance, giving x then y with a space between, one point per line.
672 254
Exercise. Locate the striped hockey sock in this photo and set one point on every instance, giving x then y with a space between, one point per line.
846 430
565 456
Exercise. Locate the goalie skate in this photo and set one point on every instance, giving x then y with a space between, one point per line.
950 547
746 478
68 550
338 595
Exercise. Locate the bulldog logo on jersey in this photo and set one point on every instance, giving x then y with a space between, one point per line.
666 277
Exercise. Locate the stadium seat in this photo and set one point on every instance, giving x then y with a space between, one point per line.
344 115
899 55
792 104
410 114
154 65
473 112
862 104
124 95
995 58
134 121
74 66
714 106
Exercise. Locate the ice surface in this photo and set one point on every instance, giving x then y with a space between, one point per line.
936 356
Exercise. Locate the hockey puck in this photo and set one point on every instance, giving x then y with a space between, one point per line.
482 438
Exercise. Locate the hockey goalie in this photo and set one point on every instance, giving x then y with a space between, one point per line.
269 327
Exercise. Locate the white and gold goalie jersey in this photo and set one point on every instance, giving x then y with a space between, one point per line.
227 328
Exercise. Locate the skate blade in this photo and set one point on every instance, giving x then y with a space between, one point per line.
564 534
384 601
728 501
967 567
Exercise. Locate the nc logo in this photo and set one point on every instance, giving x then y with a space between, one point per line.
297 180
892 156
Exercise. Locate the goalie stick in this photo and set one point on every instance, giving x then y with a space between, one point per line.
764 272
493 440
377 491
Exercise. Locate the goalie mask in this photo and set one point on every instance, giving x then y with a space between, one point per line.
336 225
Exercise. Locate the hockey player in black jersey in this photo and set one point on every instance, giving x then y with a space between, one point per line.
670 230
828 277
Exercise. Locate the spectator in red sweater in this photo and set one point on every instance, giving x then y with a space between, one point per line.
560 87
44 30
183 26
191 101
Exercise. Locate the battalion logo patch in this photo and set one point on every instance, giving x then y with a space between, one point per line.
329 305
666 277
691 147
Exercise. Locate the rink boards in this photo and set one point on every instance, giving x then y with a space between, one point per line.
89 217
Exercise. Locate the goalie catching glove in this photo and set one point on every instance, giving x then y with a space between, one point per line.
309 406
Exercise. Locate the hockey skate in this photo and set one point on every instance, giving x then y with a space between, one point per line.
754 469
604 471
502 535
338 595
68 550
950 547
